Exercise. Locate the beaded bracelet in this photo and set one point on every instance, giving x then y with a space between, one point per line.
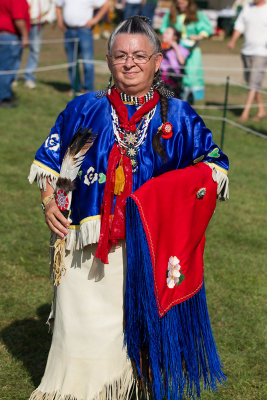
47 200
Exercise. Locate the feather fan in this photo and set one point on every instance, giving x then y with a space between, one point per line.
81 142
74 156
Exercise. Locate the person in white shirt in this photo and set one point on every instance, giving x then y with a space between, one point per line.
41 13
76 20
252 23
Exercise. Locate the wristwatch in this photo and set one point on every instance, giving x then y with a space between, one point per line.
46 200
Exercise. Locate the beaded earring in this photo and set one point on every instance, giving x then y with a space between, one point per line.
109 84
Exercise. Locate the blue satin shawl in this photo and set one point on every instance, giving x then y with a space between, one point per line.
191 141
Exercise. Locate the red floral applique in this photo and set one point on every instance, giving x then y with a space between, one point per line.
167 130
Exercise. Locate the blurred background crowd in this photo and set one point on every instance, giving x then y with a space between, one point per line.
181 24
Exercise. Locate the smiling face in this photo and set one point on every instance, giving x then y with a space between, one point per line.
130 77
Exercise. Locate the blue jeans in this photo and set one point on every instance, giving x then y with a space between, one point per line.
36 34
149 10
132 9
9 55
85 51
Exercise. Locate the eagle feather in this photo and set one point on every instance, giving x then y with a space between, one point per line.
81 142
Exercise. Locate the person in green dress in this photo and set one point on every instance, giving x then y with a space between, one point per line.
194 26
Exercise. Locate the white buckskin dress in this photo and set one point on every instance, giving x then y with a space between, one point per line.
96 301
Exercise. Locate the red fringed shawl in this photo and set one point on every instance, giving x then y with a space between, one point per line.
175 215
165 304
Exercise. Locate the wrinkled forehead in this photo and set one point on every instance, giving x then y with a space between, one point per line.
130 43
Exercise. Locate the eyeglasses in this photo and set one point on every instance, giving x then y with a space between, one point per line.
137 58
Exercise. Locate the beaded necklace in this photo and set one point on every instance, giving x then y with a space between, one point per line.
129 142
138 101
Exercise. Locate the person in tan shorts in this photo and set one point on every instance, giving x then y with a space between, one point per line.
252 22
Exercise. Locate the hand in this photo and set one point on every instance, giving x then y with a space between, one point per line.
92 22
55 219
231 45
25 40
174 44
62 26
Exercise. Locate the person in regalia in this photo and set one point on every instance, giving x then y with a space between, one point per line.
194 26
110 155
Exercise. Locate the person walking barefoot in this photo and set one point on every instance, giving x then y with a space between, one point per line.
252 23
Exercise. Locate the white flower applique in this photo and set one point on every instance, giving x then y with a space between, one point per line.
90 177
174 273
52 142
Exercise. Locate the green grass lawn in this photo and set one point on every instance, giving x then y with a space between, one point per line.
234 258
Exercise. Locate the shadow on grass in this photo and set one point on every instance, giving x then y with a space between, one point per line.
263 131
59 86
28 341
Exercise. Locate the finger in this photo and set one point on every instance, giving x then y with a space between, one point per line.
58 225
58 214
52 209
51 217
54 229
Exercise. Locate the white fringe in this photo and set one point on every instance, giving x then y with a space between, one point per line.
52 315
222 182
38 395
88 233
119 389
41 176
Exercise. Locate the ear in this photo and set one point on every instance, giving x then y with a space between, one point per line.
109 63
159 58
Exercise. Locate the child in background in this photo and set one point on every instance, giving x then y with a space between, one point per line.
174 57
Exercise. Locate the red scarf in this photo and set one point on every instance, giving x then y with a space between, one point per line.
122 112
114 229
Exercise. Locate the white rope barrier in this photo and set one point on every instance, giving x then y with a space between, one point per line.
231 107
51 41
233 83
99 62
58 66
232 69
245 128
39 69
231 122
212 117
246 87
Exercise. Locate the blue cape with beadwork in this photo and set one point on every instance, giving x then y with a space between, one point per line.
191 142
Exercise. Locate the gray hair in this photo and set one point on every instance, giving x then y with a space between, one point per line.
136 25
